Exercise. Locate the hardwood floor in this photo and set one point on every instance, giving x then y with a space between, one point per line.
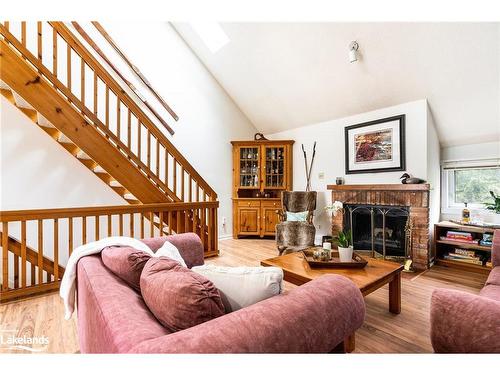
382 331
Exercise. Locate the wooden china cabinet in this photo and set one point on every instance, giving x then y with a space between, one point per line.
261 171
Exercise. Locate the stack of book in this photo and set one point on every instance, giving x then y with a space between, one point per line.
459 237
465 256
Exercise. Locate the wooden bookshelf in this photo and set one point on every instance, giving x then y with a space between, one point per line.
443 247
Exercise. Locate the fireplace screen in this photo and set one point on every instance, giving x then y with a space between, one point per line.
383 230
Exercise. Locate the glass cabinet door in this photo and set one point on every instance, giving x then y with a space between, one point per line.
249 167
274 159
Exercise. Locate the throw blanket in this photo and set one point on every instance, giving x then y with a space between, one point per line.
68 285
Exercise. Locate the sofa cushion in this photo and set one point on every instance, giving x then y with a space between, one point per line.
491 291
494 277
243 286
177 296
189 245
126 263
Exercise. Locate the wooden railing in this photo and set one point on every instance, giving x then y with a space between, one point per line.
77 75
37 243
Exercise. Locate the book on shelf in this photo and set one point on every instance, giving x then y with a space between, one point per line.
474 242
470 253
459 235
460 256
489 264
464 260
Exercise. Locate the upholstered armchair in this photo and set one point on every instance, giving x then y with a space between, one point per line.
296 235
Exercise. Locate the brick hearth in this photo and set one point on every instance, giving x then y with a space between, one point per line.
415 197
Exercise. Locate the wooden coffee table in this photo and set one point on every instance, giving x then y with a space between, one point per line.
376 274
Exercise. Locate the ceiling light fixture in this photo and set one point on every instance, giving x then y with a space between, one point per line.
353 51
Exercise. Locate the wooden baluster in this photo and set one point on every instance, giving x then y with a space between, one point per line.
197 193
182 183
131 223
84 230
70 235
7 24
33 275
129 129
23 254
142 226
157 158
149 151
169 222
178 222
139 131
97 228
110 226
96 93
203 226
118 113
68 66
186 221
56 250
16 271
39 40
174 176
54 52
166 167
106 113
82 81
161 223
190 189
195 221
216 230
209 228
151 224
23 33
120 224
40 252
5 256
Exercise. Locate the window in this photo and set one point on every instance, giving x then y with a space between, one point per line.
469 183
212 34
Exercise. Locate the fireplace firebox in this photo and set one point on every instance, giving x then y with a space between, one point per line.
385 231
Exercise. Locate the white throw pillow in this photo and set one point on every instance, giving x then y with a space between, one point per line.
169 250
243 286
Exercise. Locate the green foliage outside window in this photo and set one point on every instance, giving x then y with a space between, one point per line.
474 185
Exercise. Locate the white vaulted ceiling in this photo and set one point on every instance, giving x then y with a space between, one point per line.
286 75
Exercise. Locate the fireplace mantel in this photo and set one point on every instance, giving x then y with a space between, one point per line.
415 197
380 187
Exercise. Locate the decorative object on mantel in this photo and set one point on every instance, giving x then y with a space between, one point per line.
407 179
339 180
314 257
309 168
259 137
375 146
495 206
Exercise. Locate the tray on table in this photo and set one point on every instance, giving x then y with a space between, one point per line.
357 260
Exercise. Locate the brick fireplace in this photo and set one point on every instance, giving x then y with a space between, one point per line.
413 199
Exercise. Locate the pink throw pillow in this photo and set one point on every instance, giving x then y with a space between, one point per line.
178 297
126 263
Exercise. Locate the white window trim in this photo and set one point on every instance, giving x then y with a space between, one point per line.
448 206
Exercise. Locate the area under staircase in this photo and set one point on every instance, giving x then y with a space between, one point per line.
69 94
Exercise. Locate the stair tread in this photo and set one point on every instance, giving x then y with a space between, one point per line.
20 102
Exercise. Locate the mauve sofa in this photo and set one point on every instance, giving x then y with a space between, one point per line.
313 318
467 323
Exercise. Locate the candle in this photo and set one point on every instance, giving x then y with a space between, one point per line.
327 245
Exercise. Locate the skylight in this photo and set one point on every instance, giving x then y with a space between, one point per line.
212 34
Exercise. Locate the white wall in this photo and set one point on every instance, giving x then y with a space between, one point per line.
330 153
433 169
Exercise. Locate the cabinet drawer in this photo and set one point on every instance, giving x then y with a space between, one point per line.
248 203
276 204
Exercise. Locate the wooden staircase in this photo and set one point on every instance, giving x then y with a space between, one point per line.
78 103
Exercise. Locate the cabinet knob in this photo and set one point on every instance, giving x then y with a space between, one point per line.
248 204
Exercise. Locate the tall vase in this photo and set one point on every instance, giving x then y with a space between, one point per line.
345 254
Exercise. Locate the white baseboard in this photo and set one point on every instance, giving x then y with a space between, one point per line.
226 237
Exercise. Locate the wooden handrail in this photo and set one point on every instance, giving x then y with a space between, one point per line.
96 48
68 36
58 213
134 68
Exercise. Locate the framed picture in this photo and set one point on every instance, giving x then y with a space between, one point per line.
375 146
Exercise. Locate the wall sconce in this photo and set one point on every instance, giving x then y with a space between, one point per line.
353 51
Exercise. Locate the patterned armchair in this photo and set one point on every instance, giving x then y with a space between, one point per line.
296 235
